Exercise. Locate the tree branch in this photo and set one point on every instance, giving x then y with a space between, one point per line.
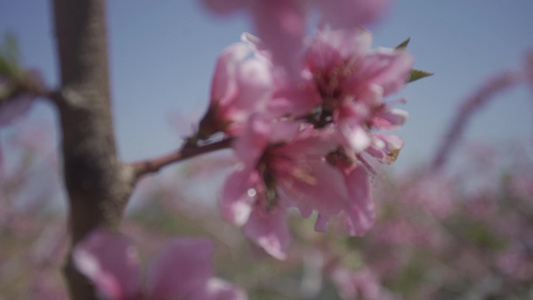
501 82
154 165
98 185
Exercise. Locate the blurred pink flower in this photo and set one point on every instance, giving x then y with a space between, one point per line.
361 283
183 270
516 261
282 24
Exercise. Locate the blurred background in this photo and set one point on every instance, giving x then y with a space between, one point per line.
462 234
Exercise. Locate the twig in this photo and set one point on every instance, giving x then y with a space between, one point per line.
154 165
501 82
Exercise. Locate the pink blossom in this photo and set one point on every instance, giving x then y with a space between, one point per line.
241 85
183 270
352 81
282 24
282 168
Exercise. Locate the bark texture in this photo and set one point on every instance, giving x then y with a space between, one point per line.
98 184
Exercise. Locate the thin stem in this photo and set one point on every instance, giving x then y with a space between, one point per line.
154 165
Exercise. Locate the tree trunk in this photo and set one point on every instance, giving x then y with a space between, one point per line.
98 184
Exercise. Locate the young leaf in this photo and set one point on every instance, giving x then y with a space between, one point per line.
404 44
418 74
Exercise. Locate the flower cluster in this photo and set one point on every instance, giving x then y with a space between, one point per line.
305 143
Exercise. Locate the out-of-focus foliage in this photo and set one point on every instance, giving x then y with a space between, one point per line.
467 236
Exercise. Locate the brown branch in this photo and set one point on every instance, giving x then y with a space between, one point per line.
98 185
153 165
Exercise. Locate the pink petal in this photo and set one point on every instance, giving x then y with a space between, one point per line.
360 214
251 144
255 85
223 86
331 48
387 68
238 196
281 25
371 94
313 185
269 231
284 131
260 49
217 289
385 147
181 269
294 99
111 263
311 144
389 118
350 123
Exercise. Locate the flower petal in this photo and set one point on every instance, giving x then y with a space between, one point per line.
385 147
238 196
181 269
251 144
269 230
313 185
281 25
350 122
255 84
111 263
388 68
223 86
389 118
360 213
331 48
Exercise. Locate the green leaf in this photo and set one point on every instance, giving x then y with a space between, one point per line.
404 44
418 74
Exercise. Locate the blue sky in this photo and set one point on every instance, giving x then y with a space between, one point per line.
162 55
